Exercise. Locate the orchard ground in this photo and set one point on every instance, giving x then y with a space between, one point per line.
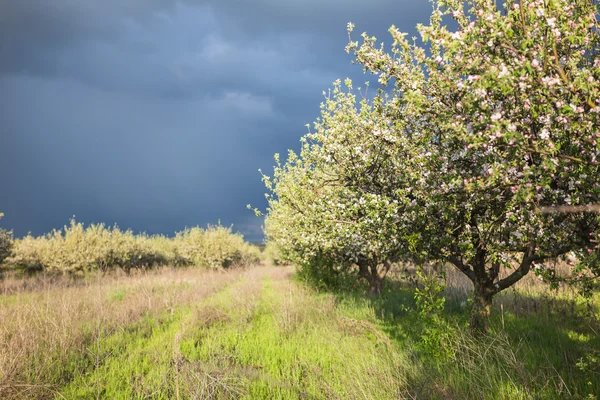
260 333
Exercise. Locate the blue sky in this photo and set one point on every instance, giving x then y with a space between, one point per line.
157 114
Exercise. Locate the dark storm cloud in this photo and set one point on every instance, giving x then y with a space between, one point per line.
318 17
36 35
33 32
157 114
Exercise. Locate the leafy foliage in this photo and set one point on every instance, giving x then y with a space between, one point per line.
430 307
6 243
476 132
215 247
273 254
99 248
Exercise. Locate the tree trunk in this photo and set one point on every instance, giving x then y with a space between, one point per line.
369 270
375 285
483 281
482 307
369 273
376 280
363 269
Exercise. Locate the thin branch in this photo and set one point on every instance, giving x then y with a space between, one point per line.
595 208
562 73
567 157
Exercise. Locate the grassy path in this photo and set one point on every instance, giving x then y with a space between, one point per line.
263 336
291 344
143 360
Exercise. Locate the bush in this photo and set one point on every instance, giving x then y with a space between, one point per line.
28 254
76 248
6 243
129 251
215 247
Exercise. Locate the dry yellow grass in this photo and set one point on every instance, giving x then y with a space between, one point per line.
45 320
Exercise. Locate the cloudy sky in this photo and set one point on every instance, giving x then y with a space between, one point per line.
157 114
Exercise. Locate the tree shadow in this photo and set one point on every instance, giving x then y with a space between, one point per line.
539 344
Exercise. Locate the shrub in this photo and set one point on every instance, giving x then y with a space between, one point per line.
76 248
6 243
28 254
129 251
274 255
215 247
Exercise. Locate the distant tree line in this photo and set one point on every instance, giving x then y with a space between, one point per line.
98 247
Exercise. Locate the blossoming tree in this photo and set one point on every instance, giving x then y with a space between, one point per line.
317 215
507 103
483 126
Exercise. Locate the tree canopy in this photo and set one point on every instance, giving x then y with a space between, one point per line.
476 131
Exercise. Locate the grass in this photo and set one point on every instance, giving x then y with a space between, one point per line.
259 334
293 345
538 340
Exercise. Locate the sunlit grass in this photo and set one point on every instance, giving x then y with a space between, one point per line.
256 333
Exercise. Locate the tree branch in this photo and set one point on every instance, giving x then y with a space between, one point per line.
520 272
595 208
457 262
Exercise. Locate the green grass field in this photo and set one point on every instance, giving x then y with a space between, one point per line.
258 333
